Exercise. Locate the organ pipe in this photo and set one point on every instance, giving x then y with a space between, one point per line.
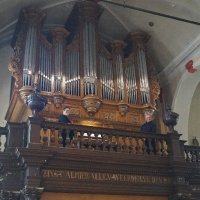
89 12
106 77
72 77
140 51
45 65
59 35
33 18
131 81
117 50
89 59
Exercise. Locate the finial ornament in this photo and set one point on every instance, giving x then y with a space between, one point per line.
35 101
171 119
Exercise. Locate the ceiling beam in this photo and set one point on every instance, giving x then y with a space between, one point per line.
152 12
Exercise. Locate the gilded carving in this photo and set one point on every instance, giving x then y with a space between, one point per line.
15 65
75 111
155 90
25 92
91 104
109 116
59 34
58 99
123 108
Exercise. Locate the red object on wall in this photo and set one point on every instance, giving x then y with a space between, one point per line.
189 67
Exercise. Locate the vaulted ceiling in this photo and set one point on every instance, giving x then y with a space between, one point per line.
169 38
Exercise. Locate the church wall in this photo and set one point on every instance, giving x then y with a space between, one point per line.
5 81
193 127
179 87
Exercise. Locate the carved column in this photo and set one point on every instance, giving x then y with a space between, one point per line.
15 65
59 35
16 135
33 20
34 127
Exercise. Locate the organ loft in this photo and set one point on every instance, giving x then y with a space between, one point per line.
108 86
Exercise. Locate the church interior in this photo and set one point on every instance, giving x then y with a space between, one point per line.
108 64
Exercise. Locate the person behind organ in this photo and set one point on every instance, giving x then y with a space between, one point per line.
63 118
149 127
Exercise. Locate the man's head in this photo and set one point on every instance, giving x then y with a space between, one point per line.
66 111
149 116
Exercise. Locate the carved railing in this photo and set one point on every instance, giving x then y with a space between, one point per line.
192 153
102 139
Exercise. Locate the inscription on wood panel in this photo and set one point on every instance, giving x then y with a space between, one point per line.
112 177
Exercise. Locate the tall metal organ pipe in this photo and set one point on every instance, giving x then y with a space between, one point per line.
33 19
89 14
140 40
117 51
45 66
59 35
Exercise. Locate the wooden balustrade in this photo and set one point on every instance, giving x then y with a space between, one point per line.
192 153
102 139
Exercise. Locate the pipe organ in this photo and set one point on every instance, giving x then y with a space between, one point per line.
112 84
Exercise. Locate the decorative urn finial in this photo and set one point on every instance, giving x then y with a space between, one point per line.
35 101
171 119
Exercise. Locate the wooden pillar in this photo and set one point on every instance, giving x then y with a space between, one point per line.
16 136
34 127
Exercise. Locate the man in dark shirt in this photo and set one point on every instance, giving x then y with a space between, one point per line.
64 119
149 127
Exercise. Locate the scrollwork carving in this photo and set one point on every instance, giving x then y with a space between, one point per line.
155 90
123 108
58 99
91 104
15 65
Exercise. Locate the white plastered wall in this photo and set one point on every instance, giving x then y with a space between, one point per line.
183 99
5 81
184 94
181 86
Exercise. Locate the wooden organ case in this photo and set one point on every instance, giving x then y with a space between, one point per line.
105 85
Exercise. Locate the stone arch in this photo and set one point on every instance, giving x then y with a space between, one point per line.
183 100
